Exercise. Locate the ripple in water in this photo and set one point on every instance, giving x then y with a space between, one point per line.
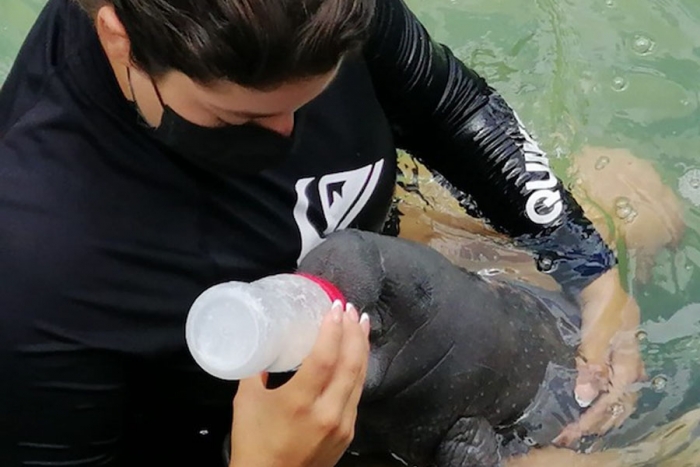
689 186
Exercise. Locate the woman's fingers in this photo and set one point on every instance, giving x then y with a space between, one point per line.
320 367
312 417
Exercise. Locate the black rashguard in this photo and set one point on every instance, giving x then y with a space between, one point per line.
107 237
448 116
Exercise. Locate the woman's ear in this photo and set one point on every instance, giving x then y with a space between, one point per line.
113 36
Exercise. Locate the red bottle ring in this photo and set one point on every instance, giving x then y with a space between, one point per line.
331 290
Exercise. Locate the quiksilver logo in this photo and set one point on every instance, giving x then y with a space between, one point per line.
342 197
544 204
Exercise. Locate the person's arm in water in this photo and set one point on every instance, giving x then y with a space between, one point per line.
447 116
310 420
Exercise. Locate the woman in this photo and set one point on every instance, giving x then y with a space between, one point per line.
152 148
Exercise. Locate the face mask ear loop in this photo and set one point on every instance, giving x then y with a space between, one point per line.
131 86
133 95
155 88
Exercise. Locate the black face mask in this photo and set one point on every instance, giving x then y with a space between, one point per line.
238 149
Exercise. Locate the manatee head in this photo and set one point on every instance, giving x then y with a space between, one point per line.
382 276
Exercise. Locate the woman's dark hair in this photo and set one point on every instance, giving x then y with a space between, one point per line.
255 43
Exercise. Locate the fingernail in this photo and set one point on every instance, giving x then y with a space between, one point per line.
584 395
352 312
364 322
583 403
337 311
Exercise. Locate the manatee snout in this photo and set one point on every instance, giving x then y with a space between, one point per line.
351 263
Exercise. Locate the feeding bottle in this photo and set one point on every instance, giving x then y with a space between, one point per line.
235 330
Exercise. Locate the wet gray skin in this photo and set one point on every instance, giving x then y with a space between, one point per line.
455 358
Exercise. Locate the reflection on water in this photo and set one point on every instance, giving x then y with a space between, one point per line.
585 77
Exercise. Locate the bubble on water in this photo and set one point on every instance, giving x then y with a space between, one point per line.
631 216
659 383
619 84
545 263
624 209
642 44
641 335
689 186
617 409
609 3
529 442
622 202
602 162
490 272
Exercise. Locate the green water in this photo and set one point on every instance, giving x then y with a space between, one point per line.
619 73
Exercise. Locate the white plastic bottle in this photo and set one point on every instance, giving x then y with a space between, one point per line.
235 330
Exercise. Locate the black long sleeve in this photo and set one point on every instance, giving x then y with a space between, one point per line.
447 116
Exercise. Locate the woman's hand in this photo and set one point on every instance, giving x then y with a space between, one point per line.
551 457
609 361
310 420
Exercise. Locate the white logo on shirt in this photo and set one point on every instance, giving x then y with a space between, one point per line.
343 196
545 204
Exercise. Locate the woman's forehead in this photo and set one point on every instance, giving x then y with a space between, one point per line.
227 96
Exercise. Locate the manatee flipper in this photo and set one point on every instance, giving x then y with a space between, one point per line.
471 442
